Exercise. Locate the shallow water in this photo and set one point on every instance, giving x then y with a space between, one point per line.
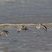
27 41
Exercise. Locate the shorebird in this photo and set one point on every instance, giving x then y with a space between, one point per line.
39 26
23 27
4 32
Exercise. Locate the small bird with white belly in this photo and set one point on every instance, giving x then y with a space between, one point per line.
39 26
23 27
4 32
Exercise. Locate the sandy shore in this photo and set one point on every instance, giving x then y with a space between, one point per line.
49 25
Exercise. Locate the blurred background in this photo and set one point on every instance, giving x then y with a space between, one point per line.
25 11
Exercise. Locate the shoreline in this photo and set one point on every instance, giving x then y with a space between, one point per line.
7 25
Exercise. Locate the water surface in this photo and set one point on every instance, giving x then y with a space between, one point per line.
27 41
25 11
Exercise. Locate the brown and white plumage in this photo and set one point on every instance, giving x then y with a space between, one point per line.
23 27
4 32
39 26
